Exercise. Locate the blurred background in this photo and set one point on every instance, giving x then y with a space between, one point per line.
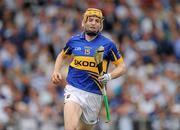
147 33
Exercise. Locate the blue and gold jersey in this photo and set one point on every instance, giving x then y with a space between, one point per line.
83 72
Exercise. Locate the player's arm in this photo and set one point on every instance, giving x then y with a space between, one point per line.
119 70
56 76
117 60
59 61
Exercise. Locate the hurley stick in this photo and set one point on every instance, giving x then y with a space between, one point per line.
99 61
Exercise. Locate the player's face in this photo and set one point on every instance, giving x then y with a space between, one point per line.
93 24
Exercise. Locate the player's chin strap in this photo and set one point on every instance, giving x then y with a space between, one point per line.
105 78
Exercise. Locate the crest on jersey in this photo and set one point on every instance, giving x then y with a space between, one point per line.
87 50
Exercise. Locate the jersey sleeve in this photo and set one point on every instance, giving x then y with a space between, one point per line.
114 56
67 50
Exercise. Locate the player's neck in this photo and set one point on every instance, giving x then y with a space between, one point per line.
89 38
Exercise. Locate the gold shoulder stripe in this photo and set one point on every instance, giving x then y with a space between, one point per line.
115 58
65 51
120 60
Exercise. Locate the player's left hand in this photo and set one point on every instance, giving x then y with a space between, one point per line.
105 78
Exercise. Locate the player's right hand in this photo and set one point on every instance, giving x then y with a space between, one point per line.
105 78
56 77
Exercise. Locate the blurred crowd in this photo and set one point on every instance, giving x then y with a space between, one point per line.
147 33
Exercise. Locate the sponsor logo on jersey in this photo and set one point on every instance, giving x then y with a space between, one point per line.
87 63
84 63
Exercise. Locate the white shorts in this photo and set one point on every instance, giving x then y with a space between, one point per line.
89 102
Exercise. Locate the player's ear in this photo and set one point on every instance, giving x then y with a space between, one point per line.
82 24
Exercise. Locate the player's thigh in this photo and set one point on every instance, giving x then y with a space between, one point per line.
72 114
84 126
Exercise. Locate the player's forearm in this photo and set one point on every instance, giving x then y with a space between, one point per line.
58 62
118 71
